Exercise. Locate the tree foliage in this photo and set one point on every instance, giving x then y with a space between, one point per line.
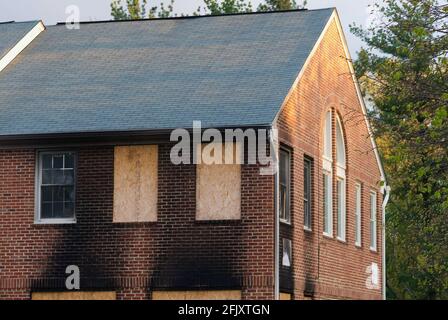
278 5
215 7
404 71
136 9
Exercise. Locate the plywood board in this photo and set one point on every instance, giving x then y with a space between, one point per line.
135 183
197 295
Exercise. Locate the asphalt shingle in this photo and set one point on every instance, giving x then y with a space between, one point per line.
225 71
12 32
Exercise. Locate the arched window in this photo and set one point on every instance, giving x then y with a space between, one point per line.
327 175
327 137
340 145
341 185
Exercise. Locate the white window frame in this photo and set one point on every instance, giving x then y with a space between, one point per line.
327 155
373 221
340 173
358 215
328 203
38 184
287 219
327 165
341 209
309 200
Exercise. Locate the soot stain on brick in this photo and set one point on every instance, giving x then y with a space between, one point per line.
91 242
191 254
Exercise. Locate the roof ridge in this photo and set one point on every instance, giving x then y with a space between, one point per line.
12 21
202 16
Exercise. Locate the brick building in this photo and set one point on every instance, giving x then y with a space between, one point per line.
87 178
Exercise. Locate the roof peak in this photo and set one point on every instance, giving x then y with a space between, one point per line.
202 16
12 21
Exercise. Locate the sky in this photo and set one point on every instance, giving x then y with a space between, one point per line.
53 11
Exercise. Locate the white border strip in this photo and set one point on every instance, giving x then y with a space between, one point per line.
305 65
335 17
21 45
361 100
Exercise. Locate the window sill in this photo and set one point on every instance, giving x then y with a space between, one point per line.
55 221
341 240
358 245
307 229
327 235
373 250
285 222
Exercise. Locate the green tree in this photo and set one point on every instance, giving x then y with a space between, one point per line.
404 72
277 5
136 9
215 7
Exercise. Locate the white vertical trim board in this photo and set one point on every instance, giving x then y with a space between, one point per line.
21 45
360 98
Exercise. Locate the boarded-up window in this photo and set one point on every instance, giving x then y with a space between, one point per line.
218 189
74 295
197 295
135 183
285 296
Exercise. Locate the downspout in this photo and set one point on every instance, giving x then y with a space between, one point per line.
274 149
385 200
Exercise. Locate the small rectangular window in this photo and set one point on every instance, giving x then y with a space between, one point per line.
328 206
358 220
285 215
373 221
287 253
341 209
56 187
307 167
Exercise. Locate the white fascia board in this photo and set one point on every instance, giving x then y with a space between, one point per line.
361 100
21 45
305 65
335 17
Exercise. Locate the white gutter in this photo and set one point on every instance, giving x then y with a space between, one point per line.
21 45
275 150
385 201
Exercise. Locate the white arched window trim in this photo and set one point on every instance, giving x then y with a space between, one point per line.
340 150
327 165
328 145
341 181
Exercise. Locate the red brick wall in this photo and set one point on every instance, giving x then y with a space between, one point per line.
179 252
331 267
175 252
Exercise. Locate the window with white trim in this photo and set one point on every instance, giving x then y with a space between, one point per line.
328 205
373 221
341 209
340 173
307 215
285 165
327 164
358 217
327 137
55 198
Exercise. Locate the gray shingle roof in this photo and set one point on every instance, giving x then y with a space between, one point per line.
11 33
226 71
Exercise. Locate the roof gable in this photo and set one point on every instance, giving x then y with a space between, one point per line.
225 71
11 33
14 37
